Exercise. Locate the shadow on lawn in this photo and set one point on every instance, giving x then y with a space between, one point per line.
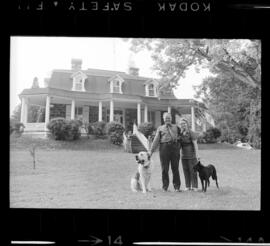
228 190
222 191
84 143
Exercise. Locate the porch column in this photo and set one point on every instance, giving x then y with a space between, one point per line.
192 119
145 113
47 111
99 111
124 117
169 109
24 110
138 113
72 113
111 110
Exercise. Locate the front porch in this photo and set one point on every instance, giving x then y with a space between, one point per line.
126 111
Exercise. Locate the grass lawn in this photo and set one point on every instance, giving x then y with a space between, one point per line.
94 174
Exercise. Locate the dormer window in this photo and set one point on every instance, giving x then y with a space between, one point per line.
78 84
151 88
116 87
78 81
116 84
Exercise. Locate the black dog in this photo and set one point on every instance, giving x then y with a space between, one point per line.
205 173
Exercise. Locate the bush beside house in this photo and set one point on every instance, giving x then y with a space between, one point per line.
16 127
98 129
62 129
210 136
147 129
115 131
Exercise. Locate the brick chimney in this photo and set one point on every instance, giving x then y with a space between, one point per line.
76 64
133 71
132 68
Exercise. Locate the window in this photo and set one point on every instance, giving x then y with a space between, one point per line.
151 117
151 90
78 84
79 113
93 114
78 81
78 110
116 86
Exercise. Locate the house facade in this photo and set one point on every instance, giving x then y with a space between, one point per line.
100 95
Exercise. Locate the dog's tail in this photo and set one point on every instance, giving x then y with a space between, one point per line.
135 184
214 176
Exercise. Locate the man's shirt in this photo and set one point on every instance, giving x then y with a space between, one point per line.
165 134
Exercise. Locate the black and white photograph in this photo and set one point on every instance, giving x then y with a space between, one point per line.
135 123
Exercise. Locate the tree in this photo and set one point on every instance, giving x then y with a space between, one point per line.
233 96
235 106
239 59
16 114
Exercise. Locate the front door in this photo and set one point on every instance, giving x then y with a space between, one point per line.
79 113
118 116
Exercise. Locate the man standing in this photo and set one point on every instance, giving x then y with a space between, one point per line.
167 136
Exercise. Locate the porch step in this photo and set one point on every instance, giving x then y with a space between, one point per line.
136 145
36 134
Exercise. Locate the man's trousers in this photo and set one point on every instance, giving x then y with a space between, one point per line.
170 155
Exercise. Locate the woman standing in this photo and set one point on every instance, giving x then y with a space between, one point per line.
189 155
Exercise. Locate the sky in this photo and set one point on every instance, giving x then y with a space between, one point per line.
37 56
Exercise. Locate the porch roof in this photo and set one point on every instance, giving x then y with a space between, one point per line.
174 102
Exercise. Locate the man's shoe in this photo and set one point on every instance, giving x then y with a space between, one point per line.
165 190
186 189
195 189
177 190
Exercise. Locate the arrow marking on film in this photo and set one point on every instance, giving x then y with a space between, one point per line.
95 240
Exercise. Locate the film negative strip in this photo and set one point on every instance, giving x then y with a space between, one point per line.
81 86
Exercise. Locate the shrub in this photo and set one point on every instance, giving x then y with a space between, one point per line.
116 138
115 131
215 132
73 129
201 138
15 126
146 129
230 136
62 129
210 136
98 129
57 127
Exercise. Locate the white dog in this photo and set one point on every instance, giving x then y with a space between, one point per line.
141 180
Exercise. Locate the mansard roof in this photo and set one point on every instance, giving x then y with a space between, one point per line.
96 83
103 73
